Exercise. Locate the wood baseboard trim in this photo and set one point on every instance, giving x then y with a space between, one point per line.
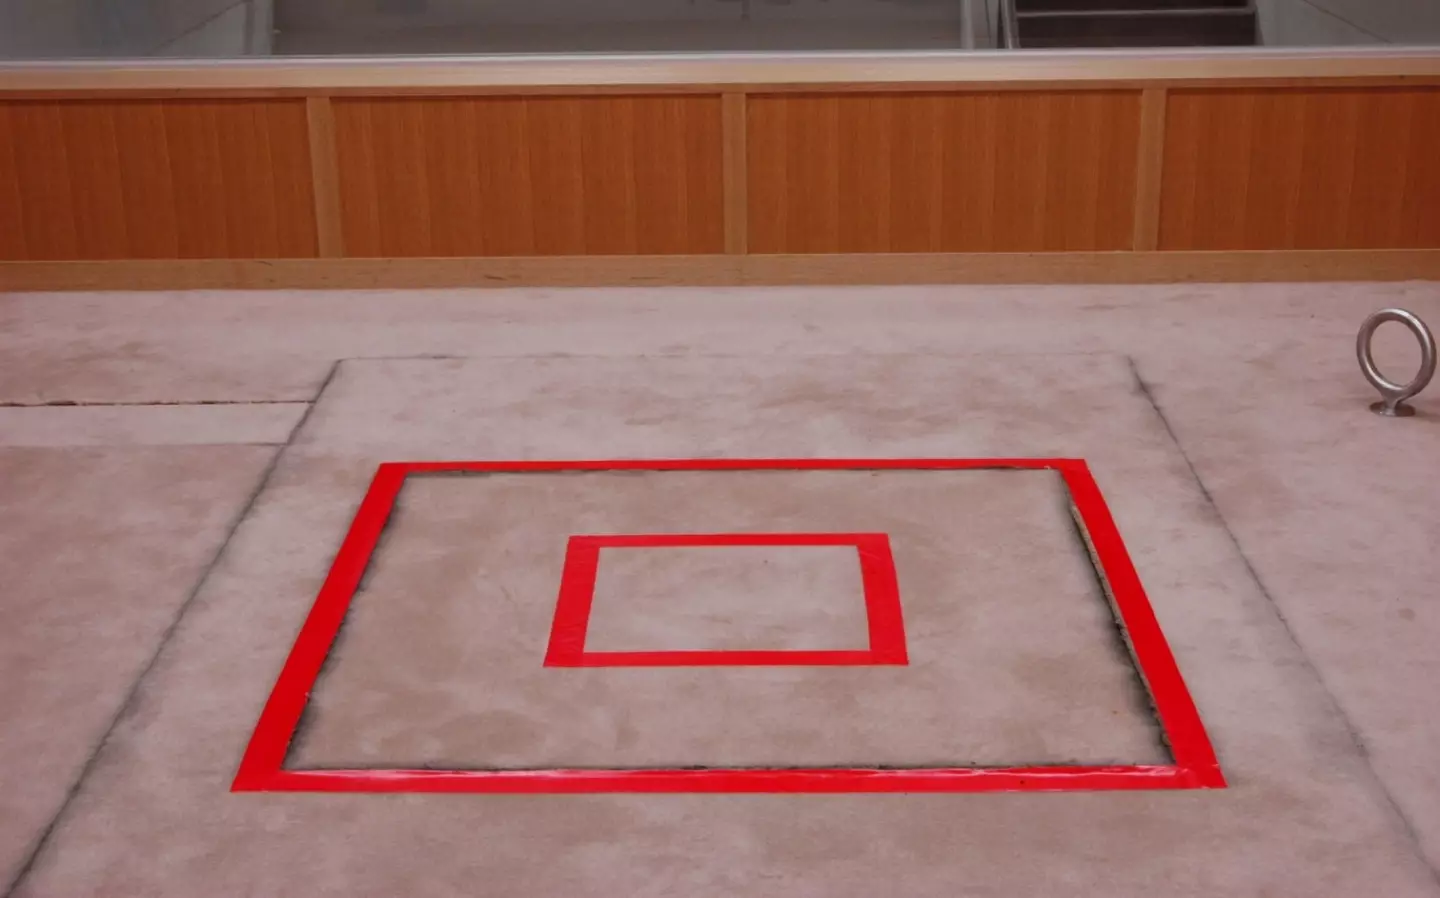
1095 268
371 274
720 270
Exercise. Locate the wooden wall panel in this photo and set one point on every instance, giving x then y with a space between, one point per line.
1006 171
153 179
508 176
1280 169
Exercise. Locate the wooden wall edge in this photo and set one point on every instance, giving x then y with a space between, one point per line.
1150 169
735 163
717 72
325 176
720 270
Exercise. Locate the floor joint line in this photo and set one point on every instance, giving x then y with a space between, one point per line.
72 403
132 695
1351 730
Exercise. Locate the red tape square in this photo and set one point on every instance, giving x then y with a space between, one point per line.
1195 766
577 591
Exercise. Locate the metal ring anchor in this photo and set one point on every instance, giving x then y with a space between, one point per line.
1393 405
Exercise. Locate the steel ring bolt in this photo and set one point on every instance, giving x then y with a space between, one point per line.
1393 405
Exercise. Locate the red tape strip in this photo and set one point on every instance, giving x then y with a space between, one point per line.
582 564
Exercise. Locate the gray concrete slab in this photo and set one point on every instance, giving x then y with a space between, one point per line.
1336 509
1304 814
1199 346
100 547
150 425
279 345
728 598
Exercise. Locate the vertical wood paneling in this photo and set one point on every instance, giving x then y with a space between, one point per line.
550 140
155 179
969 172
1233 168
1258 169
607 139
505 176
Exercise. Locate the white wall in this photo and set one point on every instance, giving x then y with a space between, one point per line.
1389 21
1302 23
360 14
242 30
43 29
510 26
224 28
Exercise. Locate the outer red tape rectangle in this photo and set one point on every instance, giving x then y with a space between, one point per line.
1195 766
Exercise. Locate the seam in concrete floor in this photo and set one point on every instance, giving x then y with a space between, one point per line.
135 687
846 353
71 403
1406 825
444 357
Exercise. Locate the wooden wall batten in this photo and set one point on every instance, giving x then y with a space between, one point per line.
1150 168
736 137
324 169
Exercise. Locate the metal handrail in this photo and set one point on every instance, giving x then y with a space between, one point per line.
1009 25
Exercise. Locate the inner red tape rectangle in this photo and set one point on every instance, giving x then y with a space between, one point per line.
577 591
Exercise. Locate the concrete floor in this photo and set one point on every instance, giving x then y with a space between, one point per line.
165 536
